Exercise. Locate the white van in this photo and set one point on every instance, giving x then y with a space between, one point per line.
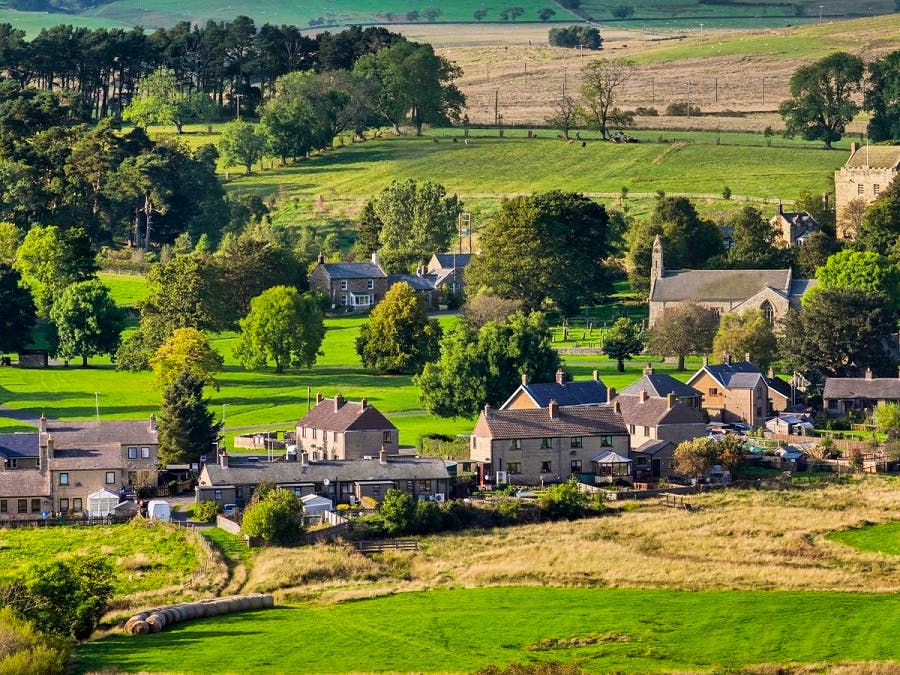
158 509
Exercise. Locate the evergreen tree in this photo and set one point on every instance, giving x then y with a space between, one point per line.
187 427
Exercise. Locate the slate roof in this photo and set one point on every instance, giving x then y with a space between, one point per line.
875 157
659 385
651 447
452 260
801 219
23 483
800 286
353 270
584 393
350 416
877 388
121 432
425 282
106 456
536 423
737 375
357 470
708 285
19 445
779 385
656 411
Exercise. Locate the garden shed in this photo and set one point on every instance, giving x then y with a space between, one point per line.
102 504
314 505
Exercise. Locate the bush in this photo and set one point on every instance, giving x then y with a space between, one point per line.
205 511
398 512
563 501
726 193
276 518
24 650
680 109
646 112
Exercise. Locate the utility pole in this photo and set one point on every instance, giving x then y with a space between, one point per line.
764 91
701 32
689 83
717 90
496 107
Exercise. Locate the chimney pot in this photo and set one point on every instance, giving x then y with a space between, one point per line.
553 409
670 400
610 394
644 395
524 379
338 402
560 376
868 373
318 397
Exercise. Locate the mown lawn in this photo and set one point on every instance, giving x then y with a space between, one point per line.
879 538
126 289
147 556
603 630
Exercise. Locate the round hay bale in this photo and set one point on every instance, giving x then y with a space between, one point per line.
255 602
129 624
141 616
178 613
243 604
168 615
188 612
139 628
155 622
268 601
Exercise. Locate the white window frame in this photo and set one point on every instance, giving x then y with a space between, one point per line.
108 481
344 285
370 284
145 453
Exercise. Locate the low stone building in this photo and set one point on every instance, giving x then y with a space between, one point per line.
566 393
343 482
868 171
350 286
545 445
843 394
340 429
733 392
794 227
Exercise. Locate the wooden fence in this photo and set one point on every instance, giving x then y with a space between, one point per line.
386 545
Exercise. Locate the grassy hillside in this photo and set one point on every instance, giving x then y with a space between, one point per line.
462 630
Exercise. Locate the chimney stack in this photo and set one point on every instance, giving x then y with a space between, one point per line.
153 422
648 370
375 259
853 148
553 409
382 456
363 404
610 394
42 423
780 208
771 373
321 258
868 373
487 410
726 358
560 376
338 402
670 400
617 408
318 397
524 379
747 357
644 395
223 458
705 360
596 376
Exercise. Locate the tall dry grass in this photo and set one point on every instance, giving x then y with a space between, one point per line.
733 540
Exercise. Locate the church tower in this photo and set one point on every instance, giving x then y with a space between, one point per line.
656 262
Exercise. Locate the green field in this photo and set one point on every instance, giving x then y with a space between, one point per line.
602 630
126 289
147 556
879 538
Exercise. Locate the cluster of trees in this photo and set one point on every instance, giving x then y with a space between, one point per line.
586 37
694 458
824 98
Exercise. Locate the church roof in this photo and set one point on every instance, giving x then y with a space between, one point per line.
706 285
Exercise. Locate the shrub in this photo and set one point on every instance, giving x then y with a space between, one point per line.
24 650
726 193
398 512
680 109
276 518
563 501
646 112
205 511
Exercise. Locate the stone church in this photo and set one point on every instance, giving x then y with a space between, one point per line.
723 291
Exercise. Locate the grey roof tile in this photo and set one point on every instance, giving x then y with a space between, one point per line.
659 385
708 285
536 422
285 473
351 416
354 270
886 388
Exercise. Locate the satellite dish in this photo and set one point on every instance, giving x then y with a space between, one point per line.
326 482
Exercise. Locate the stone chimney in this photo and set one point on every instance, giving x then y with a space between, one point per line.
705 360
42 423
382 456
153 427
853 148
363 404
338 402
553 409
560 376
50 447
376 260
318 397
610 394
487 410
304 458
771 373
596 376
644 395
321 258
780 210
670 400
617 408
868 373
726 358
648 370
524 379
223 458
747 357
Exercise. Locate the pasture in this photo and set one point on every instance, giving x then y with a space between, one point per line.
747 578
147 556
462 630
883 538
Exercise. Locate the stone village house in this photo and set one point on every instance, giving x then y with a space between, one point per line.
867 172
340 429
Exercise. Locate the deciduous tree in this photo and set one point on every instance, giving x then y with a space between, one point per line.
536 247
601 80
277 518
162 100
399 337
622 341
17 313
864 270
746 333
882 98
242 144
696 457
283 326
682 330
88 322
821 102
187 349
187 427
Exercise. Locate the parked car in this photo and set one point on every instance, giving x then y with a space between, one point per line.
229 510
